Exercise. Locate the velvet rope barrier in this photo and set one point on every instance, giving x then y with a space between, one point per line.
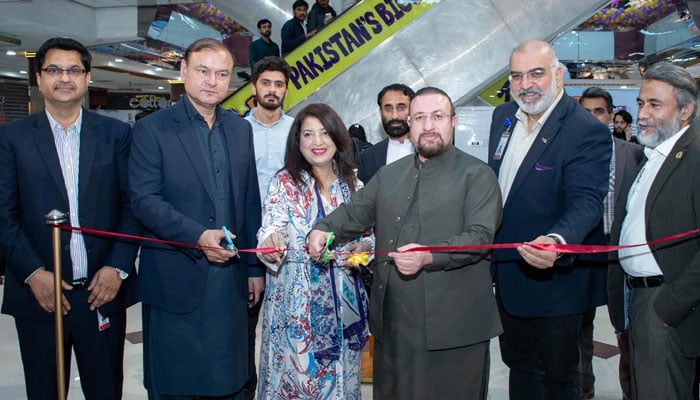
559 248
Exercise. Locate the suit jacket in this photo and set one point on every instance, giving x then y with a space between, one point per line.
559 188
628 157
31 185
459 203
371 160
172 196
673 206
293 35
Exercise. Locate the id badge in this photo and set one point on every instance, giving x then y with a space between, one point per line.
102 322
504 140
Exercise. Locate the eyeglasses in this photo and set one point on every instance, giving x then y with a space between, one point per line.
437 117
53 70
534 74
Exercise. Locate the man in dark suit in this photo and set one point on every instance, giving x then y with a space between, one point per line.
623 166
393 101
293 32
192 171
663 278
67 158
552 161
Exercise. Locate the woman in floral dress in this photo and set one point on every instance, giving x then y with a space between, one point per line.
314 312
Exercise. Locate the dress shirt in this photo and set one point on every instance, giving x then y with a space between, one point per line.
398 150
520 142
68 148
270 143
639 261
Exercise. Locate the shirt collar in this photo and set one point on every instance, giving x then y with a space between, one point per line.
257 121
666 146
192 112
522 117
56 127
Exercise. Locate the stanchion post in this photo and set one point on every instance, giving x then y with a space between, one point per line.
55 218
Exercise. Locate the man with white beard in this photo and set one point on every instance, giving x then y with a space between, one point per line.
663 278
552 160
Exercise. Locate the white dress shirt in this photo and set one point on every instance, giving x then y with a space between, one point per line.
639 261
398 150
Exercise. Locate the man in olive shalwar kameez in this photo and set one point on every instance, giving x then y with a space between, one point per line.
432 314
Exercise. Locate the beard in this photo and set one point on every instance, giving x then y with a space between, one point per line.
434 149
269 102
664 130
538 106
619 134
395 131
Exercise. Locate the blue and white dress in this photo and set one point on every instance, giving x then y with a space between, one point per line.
314 321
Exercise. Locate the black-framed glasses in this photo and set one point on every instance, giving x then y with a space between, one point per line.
53 70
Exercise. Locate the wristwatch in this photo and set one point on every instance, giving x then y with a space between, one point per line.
122 275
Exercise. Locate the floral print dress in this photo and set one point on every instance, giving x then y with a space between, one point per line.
314 321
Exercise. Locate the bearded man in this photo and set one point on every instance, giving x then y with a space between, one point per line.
393 101
552 160
662 279
424 305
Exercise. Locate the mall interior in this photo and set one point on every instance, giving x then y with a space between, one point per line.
460 46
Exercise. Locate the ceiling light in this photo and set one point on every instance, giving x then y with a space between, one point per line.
11 53
118 60
158 69
21 71
160 88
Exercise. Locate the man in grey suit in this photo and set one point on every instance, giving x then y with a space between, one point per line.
424 304
663 278
393 101
623 166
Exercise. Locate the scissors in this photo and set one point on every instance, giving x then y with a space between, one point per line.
230 246
325 251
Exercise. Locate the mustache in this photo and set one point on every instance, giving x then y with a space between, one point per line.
529 91
644 123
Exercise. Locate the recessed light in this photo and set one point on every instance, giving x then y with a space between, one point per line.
158 69
21 71
118 60
11 53
160 88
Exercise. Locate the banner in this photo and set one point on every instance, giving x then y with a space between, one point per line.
332 50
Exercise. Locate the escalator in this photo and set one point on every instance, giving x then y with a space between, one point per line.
460 46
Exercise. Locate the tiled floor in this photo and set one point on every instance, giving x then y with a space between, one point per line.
12 380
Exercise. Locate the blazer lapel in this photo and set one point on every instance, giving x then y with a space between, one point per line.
88 143
542 141
674 158
380 157
187 136
233 145
43 136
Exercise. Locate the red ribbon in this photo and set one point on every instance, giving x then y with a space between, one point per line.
559 248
